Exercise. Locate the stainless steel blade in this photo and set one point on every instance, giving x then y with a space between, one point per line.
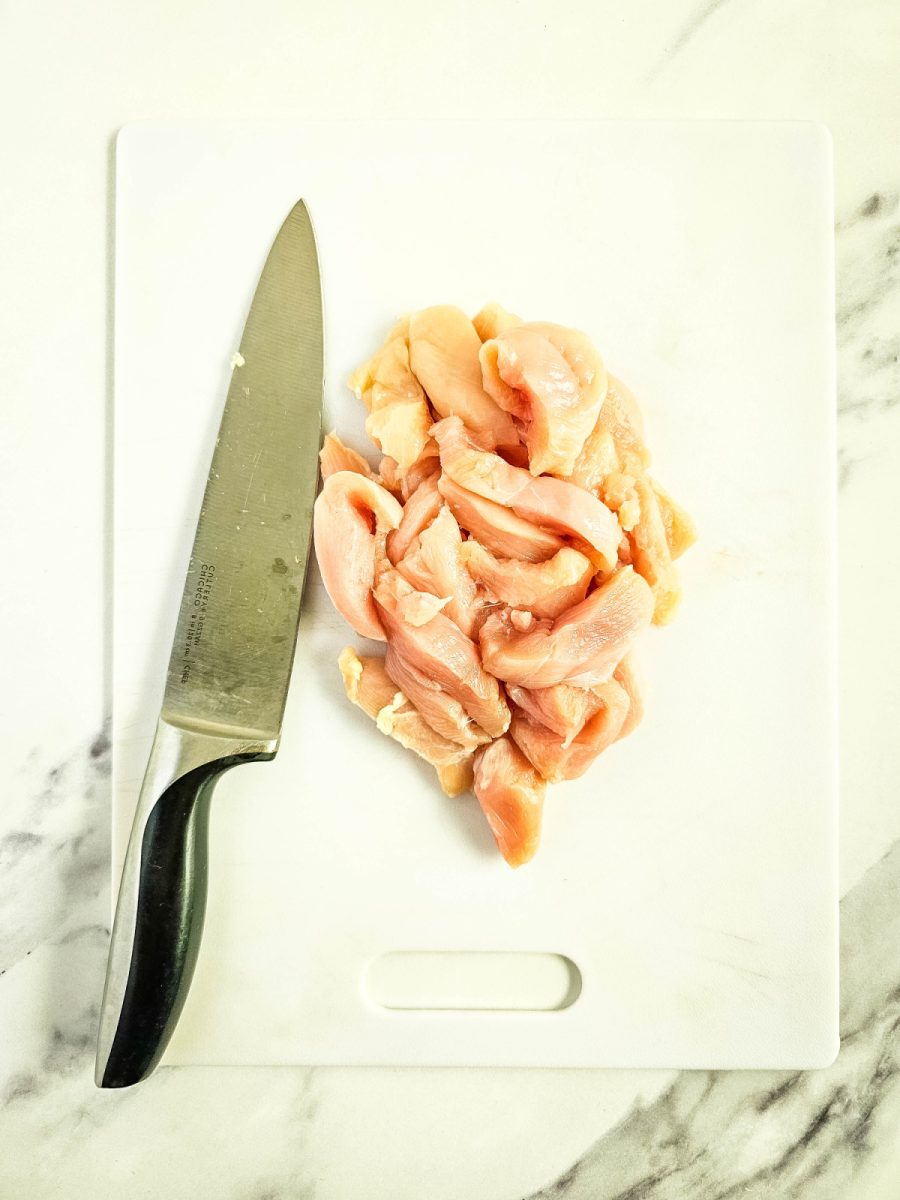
237 626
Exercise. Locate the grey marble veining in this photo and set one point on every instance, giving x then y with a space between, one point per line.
760 1134
54 902
868 333
689 30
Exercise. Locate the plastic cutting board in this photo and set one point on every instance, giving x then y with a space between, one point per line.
690 876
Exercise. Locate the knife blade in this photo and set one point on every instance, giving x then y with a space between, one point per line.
232 653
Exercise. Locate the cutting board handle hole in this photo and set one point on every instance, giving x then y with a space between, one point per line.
472 980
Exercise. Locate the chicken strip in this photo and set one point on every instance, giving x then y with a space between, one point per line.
619 494
445 715
335 456
553 381
511 795
681 532
651 556
498 529
492 320
545 589
621 417
598 458
443 355
403 481
442 652
556 758
434 563
583 646
628 677
399 417
352 517
551 503
419 511
368 686
560 708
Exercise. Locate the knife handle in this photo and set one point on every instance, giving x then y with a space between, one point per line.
162 900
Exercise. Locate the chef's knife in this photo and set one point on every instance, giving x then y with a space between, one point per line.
231 659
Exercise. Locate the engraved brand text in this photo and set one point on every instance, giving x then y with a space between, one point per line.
200 601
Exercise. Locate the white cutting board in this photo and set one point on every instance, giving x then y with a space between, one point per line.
690 875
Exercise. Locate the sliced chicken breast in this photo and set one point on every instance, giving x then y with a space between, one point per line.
553 381
552 504
368 686
651 555
560 708
496 528
545 589
435 563
583 646
492 320
442 652
335 456
443 355
351 521
399 416
556 758
511 795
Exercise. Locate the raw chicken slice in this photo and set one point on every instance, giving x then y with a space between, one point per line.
551 503
368 685
423 606
511 795
544 589
445 715
617 491
435 564
443 653
454 778
399 416
553 380
621 417
626 674
508 553
651 557
516 456
681 532
352 517
419 511
561 708
625 551
497 528
598 458
403 481
493 320
583 646
616 443
443 355
335 456
556 758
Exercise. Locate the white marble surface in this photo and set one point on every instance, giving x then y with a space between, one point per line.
72 74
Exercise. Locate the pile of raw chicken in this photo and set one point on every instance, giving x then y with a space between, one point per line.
508 551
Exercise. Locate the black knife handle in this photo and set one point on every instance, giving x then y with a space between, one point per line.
168 922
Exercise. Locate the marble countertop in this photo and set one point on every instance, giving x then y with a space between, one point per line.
76 73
